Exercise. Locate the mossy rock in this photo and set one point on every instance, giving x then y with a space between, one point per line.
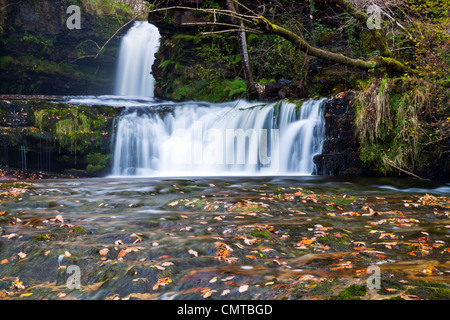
353 292
338 243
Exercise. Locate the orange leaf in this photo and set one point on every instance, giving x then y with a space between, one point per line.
122 254
2 213
4 261
251 256
162 282
306 241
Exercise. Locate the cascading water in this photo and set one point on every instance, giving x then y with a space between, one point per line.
136 57
235 138
198 139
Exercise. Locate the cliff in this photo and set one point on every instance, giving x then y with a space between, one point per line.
41 55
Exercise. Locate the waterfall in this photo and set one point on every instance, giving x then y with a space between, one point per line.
199 139
136 57
233 138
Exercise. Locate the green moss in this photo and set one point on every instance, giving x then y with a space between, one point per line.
43 237
323 288
338 243
353 292
260 233
430 293
79 230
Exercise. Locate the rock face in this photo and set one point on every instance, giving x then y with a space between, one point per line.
340 155
44 134
39 54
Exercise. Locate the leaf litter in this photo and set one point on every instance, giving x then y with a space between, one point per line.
284 242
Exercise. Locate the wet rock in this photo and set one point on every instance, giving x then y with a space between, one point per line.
340 155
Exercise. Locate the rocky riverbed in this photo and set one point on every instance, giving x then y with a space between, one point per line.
224 238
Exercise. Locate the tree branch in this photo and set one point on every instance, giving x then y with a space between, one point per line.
302 45
362 17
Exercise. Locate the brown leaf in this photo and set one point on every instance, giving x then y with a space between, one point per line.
104 251
162 282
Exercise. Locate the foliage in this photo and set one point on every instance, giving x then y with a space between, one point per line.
402 123
108 7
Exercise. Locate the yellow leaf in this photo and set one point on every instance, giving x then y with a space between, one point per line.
25 294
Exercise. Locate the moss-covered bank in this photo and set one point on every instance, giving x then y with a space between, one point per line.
52 136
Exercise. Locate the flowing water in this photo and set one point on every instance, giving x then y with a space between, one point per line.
235 138
220 201
136 57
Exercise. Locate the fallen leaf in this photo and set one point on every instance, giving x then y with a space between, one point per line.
207 292
4 261
162 282
305 241
243 288
167 264
193 252
104 251
25 294
17 284
430 270
11 235
225 292
22 255
122 254
249 241
118 242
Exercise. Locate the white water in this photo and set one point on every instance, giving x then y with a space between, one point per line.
201 139
235 138
136 57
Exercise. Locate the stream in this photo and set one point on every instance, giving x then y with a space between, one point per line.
296 237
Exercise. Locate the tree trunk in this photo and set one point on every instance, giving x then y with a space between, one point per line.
243 49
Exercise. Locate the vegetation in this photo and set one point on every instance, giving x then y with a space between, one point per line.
398 69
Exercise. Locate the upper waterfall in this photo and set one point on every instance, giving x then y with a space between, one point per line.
136 56
200 138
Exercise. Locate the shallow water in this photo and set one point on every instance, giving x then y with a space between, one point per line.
281 236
